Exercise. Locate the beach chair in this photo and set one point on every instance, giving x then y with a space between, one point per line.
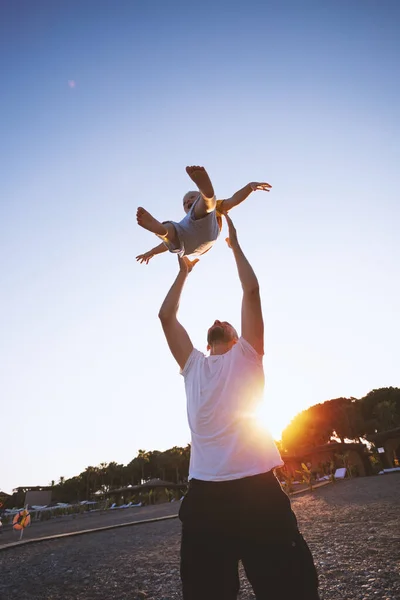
340 473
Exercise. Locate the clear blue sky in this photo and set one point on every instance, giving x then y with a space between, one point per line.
304 95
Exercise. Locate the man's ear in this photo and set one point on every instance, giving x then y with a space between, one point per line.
208 347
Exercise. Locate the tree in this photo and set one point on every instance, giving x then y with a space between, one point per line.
386 415
154 465
163 464
133 472
143 458
72 490
102 474
186 461
345 416
316 425
381 409
309 428
90 478
176 457
113 475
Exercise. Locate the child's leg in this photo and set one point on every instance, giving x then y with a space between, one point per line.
207 201
147 221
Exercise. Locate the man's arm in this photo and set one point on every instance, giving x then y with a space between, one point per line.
150 253
242 194
177 337
252 319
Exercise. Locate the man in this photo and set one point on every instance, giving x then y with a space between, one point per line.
235 508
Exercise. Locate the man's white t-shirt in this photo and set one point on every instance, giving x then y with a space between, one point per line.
223 393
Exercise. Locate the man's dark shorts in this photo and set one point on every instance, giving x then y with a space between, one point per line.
250 520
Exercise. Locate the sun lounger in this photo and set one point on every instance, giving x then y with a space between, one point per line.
340 473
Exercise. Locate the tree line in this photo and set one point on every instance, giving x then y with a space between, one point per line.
344 418
171 465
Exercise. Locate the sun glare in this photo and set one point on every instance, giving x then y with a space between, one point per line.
273 418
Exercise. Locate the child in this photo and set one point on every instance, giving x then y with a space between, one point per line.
198 231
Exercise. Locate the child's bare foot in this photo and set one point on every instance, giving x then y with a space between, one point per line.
200 177
147 221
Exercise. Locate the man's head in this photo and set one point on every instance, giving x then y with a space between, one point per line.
189 199
221 337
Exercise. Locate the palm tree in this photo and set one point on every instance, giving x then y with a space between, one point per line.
185 461
143 458
113 475
132 472
90 477
163 463
102 471
176 455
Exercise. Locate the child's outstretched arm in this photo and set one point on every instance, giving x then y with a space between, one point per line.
242 194
148 255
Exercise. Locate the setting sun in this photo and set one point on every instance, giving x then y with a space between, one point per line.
274 418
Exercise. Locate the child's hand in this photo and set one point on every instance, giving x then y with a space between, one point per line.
145 257
265 187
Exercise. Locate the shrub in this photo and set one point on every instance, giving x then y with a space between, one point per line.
288 480
306 474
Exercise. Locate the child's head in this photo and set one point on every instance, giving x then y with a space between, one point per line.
189 199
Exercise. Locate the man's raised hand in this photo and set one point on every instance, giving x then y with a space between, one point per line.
255 185
232 240
186 265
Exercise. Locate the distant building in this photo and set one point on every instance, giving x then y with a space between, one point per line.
37 498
